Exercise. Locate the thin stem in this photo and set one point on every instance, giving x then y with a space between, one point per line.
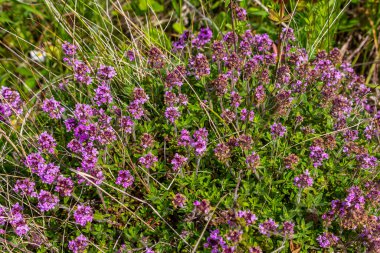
198 162
236 195
299 194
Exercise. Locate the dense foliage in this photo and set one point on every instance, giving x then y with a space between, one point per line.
231 141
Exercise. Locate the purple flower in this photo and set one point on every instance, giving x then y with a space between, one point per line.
89 157
332 77
179 200
277 130
354 198
156 59
233 62
220 84
251 116
149 250
235 99
248 36
260 94
200 141
219 51
79 244
371 132
83 214
351 135
48 173
241 13
81 71
106 136
103 95
178 161
95 175
74 145
287 34
185 138
126 124
170 98
103 119
181 42
366 161
288 228
201 133
230 38
64 186
234 235
10 103
53 107
283 76
172 113
69 49
125 178
253 160
16 208
304 180
317 154
5 112
199 65
222 152
82 132
147 141
251 67
148 160
46 201
262 42
25 187
106 72
326 240
245 48
3 215
136 110
17 220
176 77
46 143
248 216
245 141
202 207
70 124
215 241
341 107
243 114
256 249
299 86
204 36
199 146
268 227
33 161
182 99
300 57
290 161
19 224
131 55
83 112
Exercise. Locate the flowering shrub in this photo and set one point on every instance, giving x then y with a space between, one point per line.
233 143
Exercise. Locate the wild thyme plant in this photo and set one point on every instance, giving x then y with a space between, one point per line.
233 142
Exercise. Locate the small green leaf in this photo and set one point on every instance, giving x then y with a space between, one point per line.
178 27
157 7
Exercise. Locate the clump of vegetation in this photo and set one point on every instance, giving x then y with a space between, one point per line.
219 141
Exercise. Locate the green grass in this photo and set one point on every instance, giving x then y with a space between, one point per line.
28 25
